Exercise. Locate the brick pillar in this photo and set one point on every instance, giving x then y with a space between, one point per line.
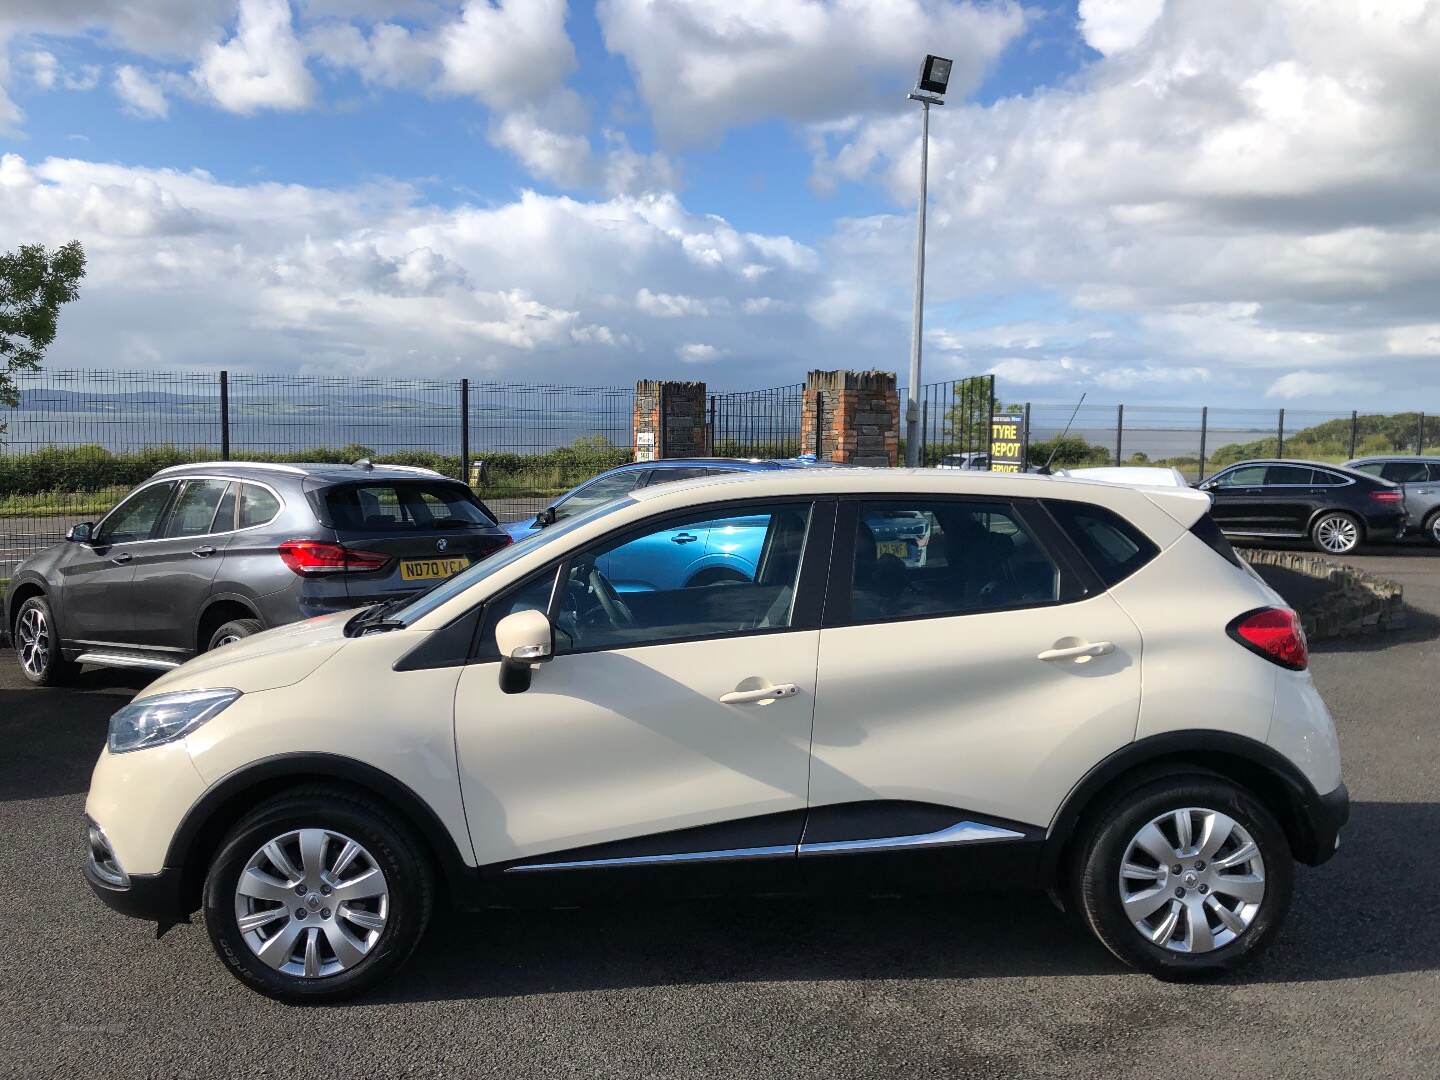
670 420
858 414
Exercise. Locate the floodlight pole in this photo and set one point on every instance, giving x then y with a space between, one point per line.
912 392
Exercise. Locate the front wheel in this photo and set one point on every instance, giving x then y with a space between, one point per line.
37 645
1184 877
317 895
1336 533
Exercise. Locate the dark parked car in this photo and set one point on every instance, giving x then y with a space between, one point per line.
1419 479
1335 508
201 555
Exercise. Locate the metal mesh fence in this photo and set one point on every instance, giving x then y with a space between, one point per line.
954 420
757 423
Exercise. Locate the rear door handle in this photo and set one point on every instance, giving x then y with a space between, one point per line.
1075 652
765 693
121 558
204 552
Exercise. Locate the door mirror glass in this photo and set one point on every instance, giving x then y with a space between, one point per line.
81 533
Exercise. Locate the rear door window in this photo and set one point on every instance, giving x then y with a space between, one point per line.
403 506
1404 472
1289 476
195 507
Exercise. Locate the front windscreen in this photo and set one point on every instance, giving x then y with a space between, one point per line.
447 590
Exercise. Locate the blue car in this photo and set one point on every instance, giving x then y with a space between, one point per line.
678 558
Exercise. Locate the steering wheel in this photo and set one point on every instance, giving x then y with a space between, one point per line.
615 610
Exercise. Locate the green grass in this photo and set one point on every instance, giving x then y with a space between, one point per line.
55 503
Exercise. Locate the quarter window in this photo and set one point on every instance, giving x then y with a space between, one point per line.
1324 478
257 506
1112 546
916 559
137 516
195 509
709 576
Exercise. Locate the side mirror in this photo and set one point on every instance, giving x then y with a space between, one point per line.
545 517
81 533
526 640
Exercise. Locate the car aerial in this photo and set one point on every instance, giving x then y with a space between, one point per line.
200 556
525 733
725 552
1419 478
1335 508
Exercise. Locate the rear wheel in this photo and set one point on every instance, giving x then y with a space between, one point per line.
716 576
1336 533
317 895
1185 876
37 645
233 631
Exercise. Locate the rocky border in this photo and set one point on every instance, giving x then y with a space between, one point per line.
1358 602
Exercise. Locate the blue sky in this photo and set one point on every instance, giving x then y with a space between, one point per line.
1141 199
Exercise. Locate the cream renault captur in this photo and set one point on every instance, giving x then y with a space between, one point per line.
1055 683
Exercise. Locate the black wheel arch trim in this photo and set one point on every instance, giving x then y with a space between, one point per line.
224 801
24 581
1312 820
216 598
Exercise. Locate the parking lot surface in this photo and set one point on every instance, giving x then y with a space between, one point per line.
975 985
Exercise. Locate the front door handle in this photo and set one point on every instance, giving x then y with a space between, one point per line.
204 552
1078 652
683 538
121 558
764 693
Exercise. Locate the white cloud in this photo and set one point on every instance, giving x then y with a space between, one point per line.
1112 26
1318 384
556 156
262 66
376 279
696 353
671 305
141 94
705 65
44 68
507 53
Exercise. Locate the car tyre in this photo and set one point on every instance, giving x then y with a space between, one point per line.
1336 533
1112 861
393 924
1432 527
233 631
37 645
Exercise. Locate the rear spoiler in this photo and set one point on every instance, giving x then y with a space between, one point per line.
1185 505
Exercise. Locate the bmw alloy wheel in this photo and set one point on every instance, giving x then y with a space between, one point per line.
1192 880
33 641
311 903
1337 533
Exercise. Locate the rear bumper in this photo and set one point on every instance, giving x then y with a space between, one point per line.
1325 817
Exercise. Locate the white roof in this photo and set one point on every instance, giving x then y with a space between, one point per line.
1139 475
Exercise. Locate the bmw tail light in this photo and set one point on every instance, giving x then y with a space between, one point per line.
1382 495
492 544
1275 634
310 557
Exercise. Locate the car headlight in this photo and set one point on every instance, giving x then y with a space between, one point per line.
165 717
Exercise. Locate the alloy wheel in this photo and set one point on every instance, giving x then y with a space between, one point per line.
33 638
1337 534
311 903
1192 880
228 639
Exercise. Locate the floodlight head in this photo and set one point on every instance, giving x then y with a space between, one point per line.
934 75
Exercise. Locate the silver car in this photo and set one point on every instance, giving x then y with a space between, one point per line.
1419 478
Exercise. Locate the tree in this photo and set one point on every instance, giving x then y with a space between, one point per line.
34 284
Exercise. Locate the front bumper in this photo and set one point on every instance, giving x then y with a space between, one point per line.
1325 817
155 897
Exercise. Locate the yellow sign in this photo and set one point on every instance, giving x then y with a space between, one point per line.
1007 444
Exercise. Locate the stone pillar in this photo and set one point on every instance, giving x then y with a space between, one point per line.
670 420
851 417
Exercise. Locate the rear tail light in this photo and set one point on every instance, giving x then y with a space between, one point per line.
308 557
1275 634
1382 496
492 544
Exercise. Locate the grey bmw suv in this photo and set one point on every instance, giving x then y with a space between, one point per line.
202 555
1419 478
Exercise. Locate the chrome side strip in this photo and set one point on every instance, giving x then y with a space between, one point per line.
962 832
116 660
657 860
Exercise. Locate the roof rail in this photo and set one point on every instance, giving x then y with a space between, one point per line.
271 465
412 468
